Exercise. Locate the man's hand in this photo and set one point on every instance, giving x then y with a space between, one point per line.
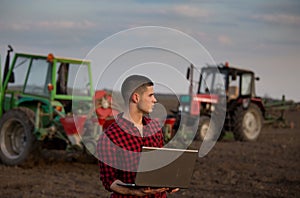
159 190
154 190
173 190
136 191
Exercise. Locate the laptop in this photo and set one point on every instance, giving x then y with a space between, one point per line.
164 167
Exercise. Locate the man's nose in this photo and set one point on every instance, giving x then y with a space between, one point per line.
154 100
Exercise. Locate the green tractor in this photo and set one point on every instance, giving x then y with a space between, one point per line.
44 101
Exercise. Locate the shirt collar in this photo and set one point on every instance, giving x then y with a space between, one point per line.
146 120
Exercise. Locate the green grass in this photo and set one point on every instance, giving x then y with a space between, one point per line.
228 136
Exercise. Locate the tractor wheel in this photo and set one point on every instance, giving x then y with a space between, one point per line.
247 123
203 127
206 125
16 136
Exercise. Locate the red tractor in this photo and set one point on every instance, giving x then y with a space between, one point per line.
228 89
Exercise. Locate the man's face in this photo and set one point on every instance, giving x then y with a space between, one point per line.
147 100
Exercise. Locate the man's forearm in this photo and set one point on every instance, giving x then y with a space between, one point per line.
124 190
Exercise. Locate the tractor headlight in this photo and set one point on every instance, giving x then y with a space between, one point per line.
212 108
180 108
187 109
184 108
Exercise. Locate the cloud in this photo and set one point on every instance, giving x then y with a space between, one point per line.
279 18
19 27
55 25
190 11
225 40
66 24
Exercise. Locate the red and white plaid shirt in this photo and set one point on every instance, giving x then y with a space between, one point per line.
119 149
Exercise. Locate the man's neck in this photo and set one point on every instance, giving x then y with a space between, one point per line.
135 118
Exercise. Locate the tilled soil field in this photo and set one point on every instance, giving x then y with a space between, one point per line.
268 167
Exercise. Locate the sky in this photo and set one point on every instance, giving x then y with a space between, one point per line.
260 35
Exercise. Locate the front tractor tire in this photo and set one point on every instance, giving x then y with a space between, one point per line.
247 123
203 127
208 128
17 140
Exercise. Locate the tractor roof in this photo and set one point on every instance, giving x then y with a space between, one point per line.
56 57
228 69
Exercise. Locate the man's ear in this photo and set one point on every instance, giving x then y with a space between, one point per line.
135 97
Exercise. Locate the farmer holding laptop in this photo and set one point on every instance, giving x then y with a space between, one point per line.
119 147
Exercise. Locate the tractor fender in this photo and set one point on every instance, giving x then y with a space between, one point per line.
259 102
32 103
37 105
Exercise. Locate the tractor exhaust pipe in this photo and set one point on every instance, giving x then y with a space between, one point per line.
191 74
6 67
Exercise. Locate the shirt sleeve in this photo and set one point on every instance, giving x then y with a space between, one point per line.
158 133
161 139
106 159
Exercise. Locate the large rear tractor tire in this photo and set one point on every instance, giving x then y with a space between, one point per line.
247 123
17 140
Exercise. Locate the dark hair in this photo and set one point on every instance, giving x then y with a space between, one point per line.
134 83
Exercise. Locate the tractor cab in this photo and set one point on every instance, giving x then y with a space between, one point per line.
48 78
233 82
223 93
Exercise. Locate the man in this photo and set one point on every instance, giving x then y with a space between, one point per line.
120 145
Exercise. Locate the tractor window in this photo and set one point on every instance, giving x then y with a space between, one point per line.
62 79
212 82
246 84
206 82
72 79
20 71
38 78
234 81
233 87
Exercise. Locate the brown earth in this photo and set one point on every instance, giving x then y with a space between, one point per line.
268 167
